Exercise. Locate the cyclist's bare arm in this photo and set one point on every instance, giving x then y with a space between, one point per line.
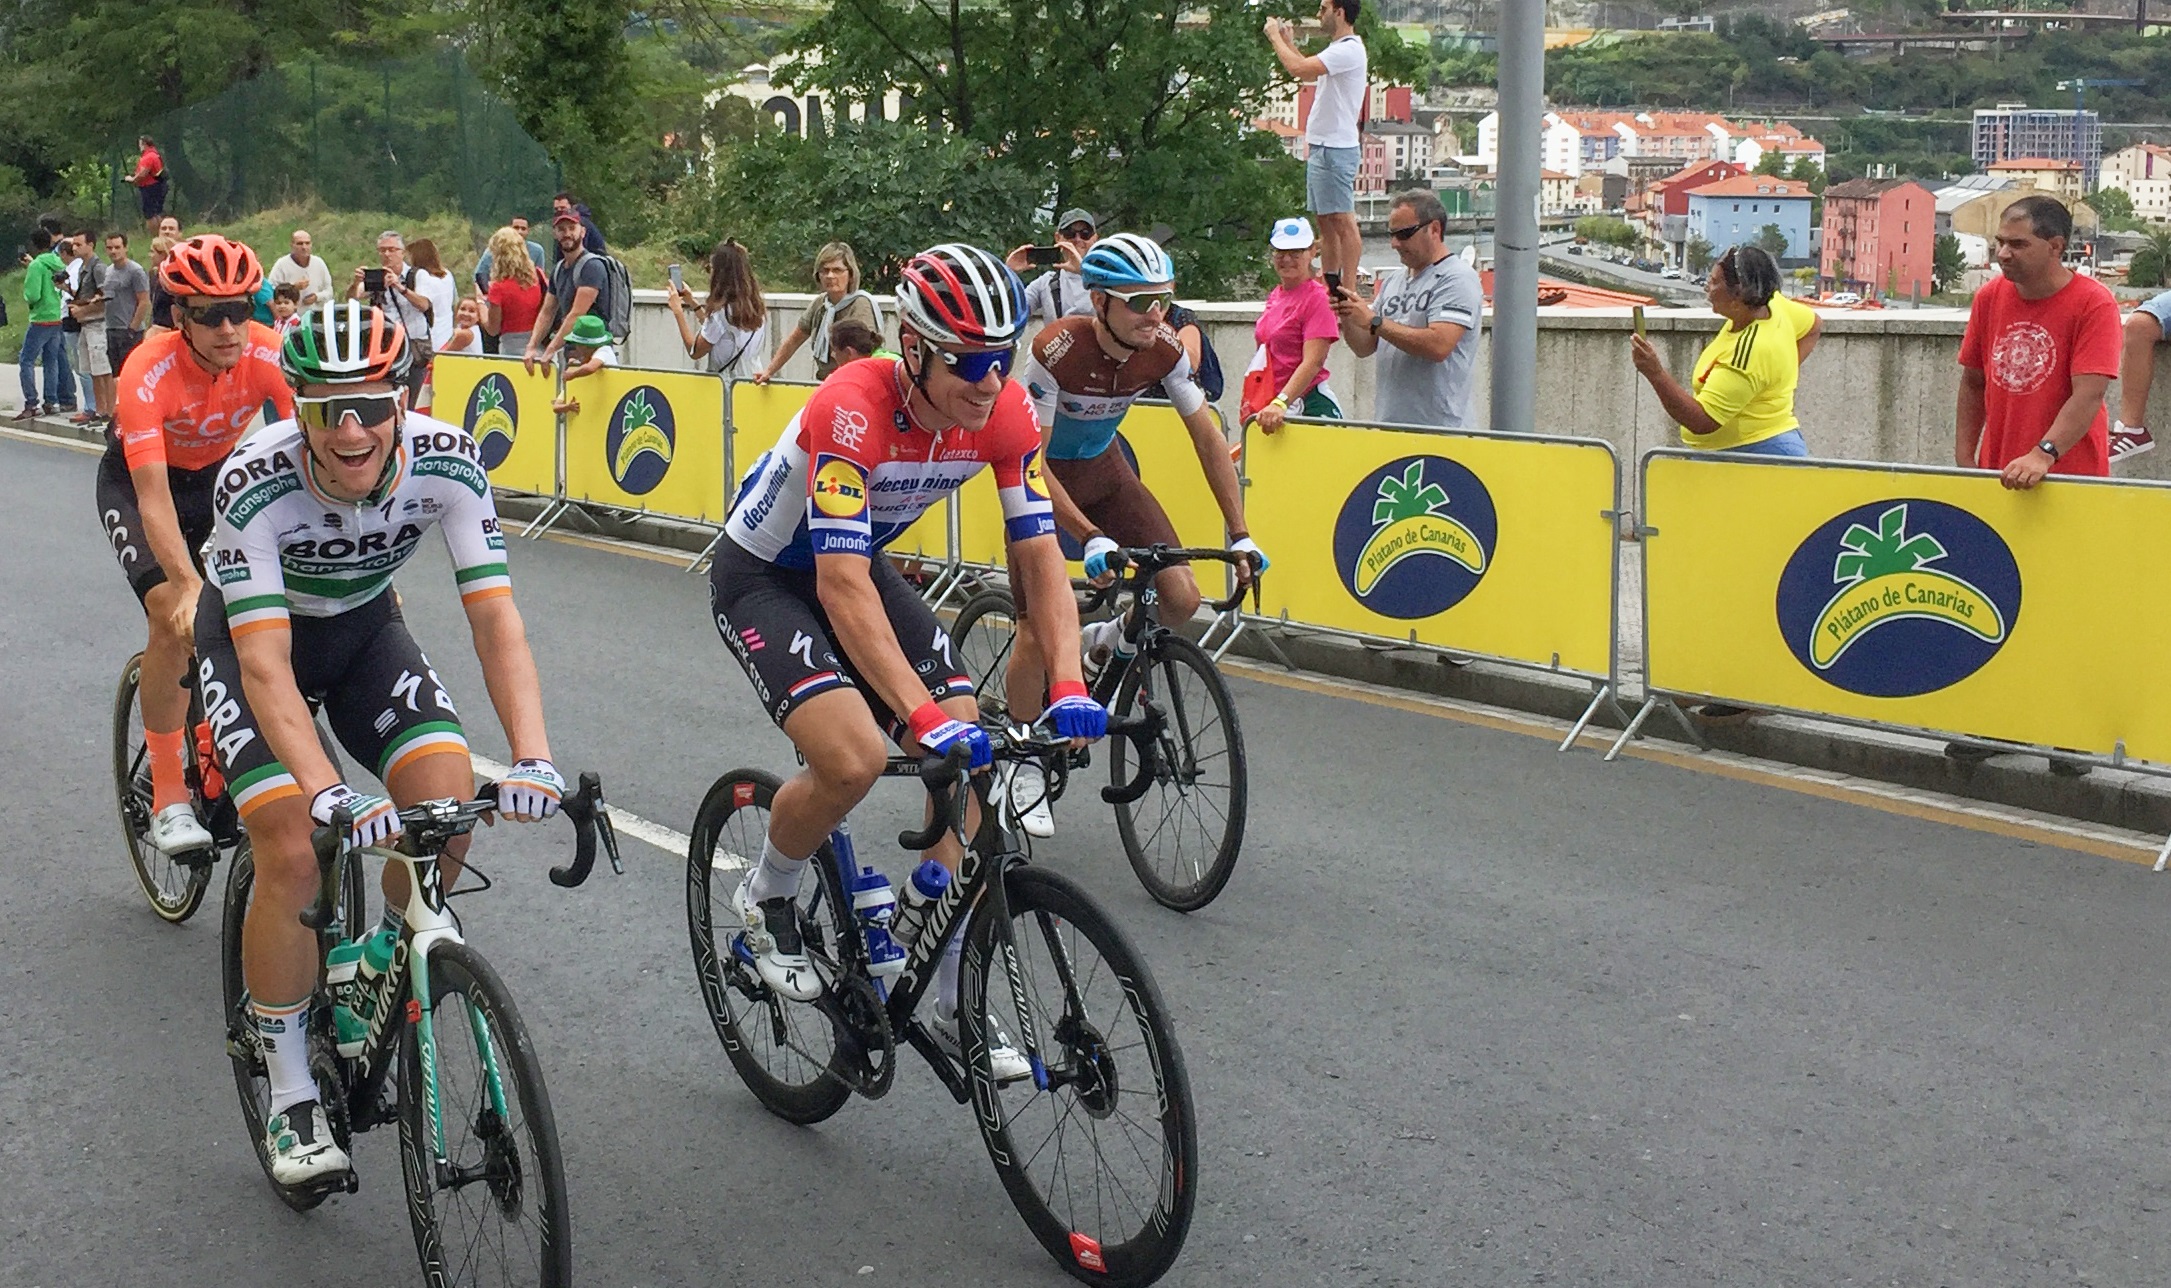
864 632
275 699
1053 623
508 671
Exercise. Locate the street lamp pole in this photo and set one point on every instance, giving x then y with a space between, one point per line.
1515 224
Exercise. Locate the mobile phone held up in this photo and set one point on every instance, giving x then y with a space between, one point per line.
1044 256
678 278
1334 284
1637 313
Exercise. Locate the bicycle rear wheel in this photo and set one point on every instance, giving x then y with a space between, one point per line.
1103 1164
175 890
1183 835
781 1049
986 629
492 1209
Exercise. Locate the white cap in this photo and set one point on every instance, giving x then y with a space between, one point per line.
1293 233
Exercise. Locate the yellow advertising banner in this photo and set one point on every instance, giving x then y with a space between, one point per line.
1926 598
508 413
1489 544
648 440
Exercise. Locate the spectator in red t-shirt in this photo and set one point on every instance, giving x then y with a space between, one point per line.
150 181
2041 349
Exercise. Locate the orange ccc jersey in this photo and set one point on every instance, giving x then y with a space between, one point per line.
170 411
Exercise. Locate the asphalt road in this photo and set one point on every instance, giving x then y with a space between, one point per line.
1471 1012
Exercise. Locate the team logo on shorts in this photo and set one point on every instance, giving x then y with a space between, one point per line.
493 419
840 487
640 441
1415 537
1899 598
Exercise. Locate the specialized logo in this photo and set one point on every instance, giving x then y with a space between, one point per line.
493 418
641 438
840 487
1899 598
1415 537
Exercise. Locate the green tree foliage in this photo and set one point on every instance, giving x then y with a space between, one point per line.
1947 264
1608 231
1773 162
1772 238
567 68
1699 253
2151 265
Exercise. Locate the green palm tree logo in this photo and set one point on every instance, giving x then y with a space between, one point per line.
1407 497
1865 554
639 434
1885 576
1410 518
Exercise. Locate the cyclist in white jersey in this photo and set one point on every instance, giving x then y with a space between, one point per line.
313 516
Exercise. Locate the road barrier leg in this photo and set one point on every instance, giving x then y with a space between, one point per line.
1656 702
1234 620
1602 696
706 551
2163 855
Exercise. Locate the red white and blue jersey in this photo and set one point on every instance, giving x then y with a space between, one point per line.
852 470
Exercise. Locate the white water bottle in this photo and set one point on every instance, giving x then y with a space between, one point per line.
928 884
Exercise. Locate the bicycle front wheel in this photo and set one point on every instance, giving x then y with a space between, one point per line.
1183 835
490 1206
1103 1164
781 1049
175 890
985 632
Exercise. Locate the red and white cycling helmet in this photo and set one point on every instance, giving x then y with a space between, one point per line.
957 294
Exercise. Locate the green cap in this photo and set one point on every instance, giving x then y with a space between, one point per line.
591 331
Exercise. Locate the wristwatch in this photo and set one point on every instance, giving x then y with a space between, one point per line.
1377 319
2048 448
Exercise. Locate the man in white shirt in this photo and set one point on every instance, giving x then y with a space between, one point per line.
301 267
1331 133
1060 292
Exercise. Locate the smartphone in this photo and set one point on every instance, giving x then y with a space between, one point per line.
1045 255
1637 313
373 280
678 277
1334 284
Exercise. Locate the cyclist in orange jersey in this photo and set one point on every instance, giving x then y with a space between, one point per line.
183 399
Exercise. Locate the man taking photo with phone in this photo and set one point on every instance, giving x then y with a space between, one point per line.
1060 292
1422 321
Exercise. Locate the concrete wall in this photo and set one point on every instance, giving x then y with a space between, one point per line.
1880 387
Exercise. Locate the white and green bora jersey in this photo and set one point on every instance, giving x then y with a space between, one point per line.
283 546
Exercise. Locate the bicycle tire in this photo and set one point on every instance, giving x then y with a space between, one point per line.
175 890
1184 780
985 630
750 1021
518 1163
1094 1081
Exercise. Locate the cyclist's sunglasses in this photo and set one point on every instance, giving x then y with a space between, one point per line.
324 413
237 312
972 368
1143 302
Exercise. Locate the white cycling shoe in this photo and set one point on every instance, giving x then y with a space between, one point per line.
299 1141
1005 1061
772 939
176 830
1029 798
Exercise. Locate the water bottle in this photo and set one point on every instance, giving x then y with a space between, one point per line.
374 961
876 904
340 968
928 884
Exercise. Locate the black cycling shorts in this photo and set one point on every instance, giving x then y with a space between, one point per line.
773 622
376 687
123 522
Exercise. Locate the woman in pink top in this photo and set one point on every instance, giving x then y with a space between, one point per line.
1295 331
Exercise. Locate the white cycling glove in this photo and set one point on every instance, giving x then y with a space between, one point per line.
376 820
531 792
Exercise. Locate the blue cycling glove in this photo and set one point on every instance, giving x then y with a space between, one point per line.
1072 714
937 733
1097 550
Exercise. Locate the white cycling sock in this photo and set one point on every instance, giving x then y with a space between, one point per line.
775 876
946 973
284 1033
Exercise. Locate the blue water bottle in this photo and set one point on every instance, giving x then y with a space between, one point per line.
875 903
930 881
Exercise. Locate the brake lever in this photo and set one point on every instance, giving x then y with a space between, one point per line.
327 841
585 808
1144 733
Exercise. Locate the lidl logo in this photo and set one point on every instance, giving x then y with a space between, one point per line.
1415 537
840 487
1899 598
493 419
640 441
1036 487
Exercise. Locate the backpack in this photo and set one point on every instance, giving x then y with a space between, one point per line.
1208 372
615 301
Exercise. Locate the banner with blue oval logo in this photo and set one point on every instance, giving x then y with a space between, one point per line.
493 418
1899 598
1415 537
641 439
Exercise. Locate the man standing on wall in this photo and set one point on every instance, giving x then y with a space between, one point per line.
1331 134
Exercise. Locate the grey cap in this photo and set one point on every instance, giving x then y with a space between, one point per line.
1075 215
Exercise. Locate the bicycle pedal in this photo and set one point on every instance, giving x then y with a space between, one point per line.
202 860
344 1183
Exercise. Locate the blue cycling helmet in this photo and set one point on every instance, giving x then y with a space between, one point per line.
1126 262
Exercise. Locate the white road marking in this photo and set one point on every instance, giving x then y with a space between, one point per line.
663 838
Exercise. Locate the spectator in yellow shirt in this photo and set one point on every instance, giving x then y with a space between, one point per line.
1741 395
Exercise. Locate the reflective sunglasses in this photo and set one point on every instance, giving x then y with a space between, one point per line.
324 413
1143 302
1404 234
1078 232
972 368
211 316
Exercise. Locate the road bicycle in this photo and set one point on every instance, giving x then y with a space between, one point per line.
1183 836
1098 1148
442 1051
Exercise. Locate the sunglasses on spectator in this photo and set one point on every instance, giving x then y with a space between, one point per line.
324 413
1144 302
1404 234
209 316
1078 232
973 367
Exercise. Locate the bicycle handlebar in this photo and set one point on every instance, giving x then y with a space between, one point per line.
590 820
1149 560
941 774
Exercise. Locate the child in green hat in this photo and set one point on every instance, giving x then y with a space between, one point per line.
587 351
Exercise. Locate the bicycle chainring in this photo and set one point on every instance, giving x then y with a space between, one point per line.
866 1054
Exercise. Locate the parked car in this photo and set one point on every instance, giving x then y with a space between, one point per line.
1669 272
1845 298
1575 250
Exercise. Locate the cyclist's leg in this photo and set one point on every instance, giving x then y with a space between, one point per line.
1131 516
166 650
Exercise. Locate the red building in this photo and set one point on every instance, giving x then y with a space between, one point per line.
1880 237
1666 203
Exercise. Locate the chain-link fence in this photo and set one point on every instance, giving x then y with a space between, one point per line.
412 137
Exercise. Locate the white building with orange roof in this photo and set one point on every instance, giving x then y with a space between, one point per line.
2143 173
2047 174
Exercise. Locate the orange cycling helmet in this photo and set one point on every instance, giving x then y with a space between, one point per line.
211 265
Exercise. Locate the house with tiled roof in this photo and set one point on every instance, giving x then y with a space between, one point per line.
1738 210
2143 173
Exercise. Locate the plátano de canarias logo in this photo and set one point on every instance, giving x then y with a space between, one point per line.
493 419
1415 537
642 437
1899 598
